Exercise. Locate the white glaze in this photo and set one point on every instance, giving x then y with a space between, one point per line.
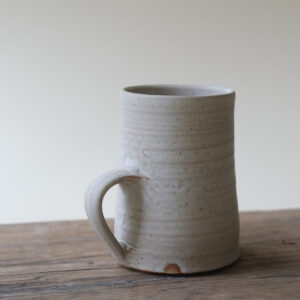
177 206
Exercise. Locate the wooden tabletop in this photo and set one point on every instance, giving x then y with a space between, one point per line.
65 260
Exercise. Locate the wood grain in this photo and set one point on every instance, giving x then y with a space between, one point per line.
65 260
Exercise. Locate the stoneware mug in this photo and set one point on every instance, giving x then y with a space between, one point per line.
176 211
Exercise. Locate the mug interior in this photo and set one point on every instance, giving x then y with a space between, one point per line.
178 90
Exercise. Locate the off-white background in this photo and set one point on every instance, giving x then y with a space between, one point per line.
62 64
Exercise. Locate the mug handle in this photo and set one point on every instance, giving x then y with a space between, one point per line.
93 206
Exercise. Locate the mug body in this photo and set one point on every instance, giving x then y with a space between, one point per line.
182 217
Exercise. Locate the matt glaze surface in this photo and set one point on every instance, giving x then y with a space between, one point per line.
178 213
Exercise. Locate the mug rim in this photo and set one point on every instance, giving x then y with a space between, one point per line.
177 90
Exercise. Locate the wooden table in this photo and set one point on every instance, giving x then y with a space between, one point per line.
65 260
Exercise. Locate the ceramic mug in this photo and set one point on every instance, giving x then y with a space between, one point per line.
176 211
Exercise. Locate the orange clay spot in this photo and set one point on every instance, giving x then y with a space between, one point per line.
172 269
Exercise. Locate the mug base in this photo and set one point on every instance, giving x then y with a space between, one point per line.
173 269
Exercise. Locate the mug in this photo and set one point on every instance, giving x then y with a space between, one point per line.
176 210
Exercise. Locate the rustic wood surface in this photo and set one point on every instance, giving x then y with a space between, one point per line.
65 260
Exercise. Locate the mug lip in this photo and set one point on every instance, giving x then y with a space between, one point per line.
137 90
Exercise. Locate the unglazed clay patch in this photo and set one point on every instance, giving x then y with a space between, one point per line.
172 269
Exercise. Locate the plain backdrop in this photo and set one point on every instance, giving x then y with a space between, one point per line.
63 63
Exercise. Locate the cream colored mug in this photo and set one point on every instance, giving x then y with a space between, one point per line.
176 211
